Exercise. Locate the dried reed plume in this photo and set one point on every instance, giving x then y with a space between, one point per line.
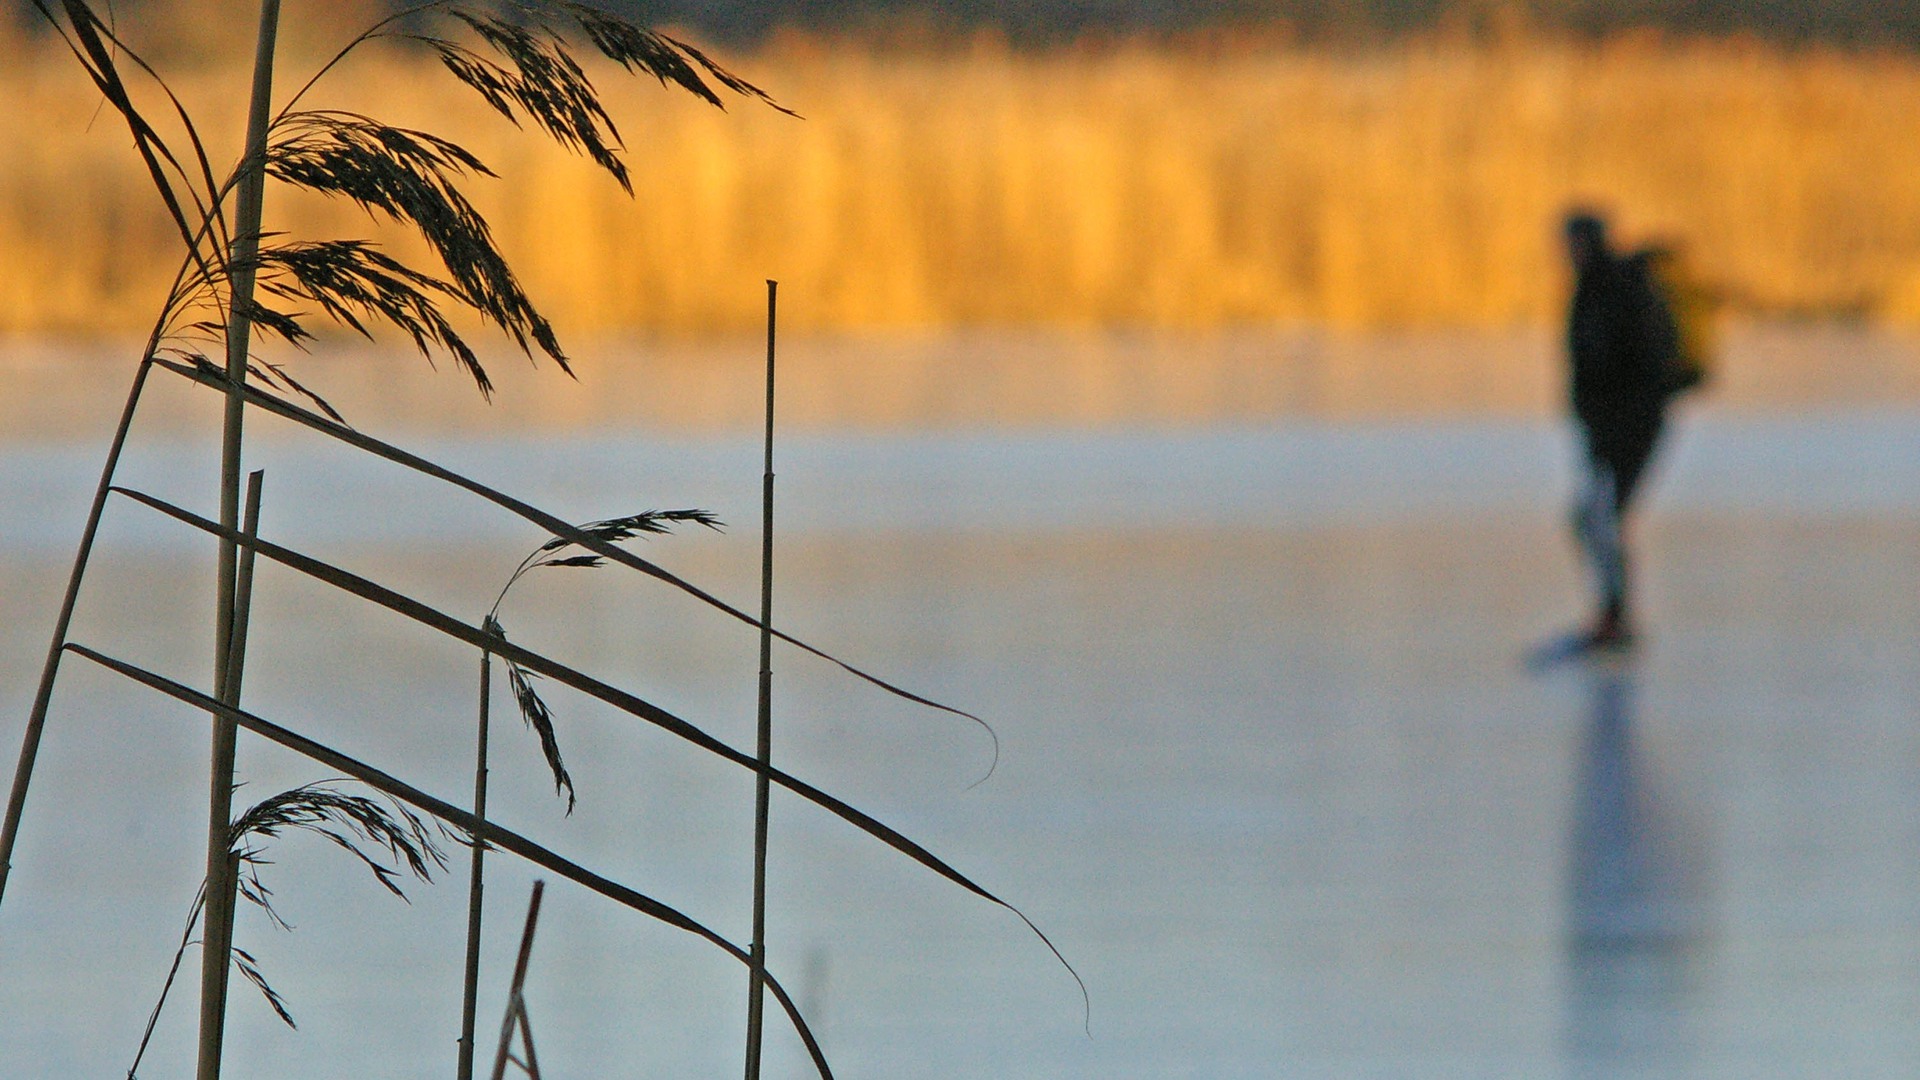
533 709
385 836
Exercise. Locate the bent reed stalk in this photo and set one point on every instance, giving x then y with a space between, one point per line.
622 700
561 528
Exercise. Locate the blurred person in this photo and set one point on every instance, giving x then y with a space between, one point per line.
1622 352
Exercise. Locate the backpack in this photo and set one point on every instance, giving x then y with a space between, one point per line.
1679 321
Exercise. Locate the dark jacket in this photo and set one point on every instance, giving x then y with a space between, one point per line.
1620 341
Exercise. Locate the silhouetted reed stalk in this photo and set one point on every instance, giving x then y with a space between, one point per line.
470 984
763 756
516 1015
43 695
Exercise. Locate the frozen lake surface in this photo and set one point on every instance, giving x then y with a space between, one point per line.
1271 775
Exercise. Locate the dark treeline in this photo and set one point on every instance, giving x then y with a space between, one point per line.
1850 22
1037 22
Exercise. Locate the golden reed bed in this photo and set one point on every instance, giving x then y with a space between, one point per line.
1210 183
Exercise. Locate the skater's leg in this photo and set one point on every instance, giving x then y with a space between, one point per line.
1597 526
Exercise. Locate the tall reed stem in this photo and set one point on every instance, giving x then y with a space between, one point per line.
216 936
217 939
757 962
470 992
43 697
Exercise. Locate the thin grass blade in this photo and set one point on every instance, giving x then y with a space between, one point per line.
556 527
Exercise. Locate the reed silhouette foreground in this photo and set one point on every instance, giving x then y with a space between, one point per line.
236 279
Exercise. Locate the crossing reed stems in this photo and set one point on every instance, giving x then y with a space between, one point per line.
223 880
516 1002
503 839
222 874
